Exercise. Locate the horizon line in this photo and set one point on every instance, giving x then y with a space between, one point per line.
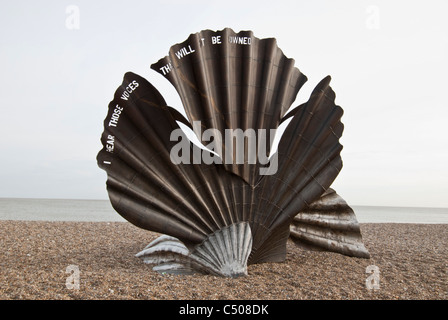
105 199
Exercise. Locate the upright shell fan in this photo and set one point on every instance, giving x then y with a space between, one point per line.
239 209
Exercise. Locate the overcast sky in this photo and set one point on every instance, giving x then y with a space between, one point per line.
387 59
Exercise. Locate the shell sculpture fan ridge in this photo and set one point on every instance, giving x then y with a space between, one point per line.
218 216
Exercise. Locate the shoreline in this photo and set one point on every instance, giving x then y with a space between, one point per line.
91 210
412 261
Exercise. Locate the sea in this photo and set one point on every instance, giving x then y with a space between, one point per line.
102 210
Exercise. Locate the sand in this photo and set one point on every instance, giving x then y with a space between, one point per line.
412 260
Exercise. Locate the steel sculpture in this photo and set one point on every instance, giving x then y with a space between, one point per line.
220 207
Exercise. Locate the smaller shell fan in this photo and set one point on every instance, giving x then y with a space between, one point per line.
329 224
220 216
223 253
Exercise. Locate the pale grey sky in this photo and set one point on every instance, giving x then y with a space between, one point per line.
387 59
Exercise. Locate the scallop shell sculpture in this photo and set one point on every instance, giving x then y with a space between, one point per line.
219 216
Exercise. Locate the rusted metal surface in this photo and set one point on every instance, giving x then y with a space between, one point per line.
226 81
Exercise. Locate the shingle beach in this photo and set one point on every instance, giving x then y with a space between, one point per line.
412 260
